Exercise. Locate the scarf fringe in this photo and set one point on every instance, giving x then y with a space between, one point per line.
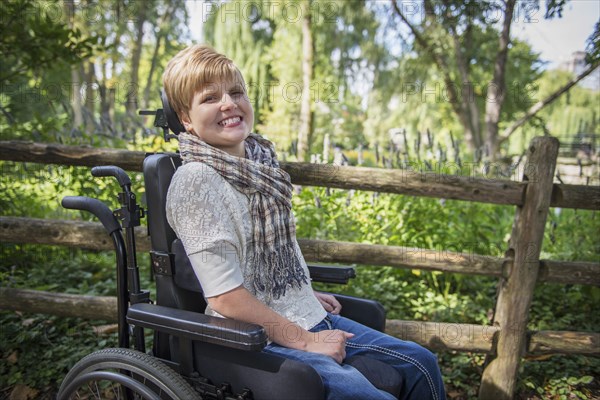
285 270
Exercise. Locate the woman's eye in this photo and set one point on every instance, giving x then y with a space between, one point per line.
237 94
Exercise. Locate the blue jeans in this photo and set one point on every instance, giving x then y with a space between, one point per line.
417 365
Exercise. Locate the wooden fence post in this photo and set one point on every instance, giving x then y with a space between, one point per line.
515 291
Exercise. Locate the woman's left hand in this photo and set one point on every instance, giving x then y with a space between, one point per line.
329 303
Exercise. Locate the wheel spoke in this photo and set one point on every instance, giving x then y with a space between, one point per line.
116 391
97 390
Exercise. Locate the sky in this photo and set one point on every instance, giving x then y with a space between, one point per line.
555 39
558 38
197 12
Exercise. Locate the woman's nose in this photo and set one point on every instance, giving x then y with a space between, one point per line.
228 102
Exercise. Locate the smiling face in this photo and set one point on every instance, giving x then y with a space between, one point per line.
221 115
207 92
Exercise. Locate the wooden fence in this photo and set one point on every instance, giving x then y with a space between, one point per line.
505 342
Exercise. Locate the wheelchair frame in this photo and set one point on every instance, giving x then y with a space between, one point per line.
133 373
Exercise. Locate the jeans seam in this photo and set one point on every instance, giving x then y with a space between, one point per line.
327 321
393 353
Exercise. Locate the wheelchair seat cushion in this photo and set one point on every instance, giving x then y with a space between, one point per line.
380 374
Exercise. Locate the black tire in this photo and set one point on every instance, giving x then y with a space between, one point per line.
124 374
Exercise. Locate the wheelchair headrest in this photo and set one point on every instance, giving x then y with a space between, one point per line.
173 121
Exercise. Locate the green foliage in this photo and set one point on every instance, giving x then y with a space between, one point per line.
280 116
561 378
421 99
366 83
266 43
574 112
37 50
68 66
567 226
411 222
38 350
593 45
33 39
35 190
244 36
404 221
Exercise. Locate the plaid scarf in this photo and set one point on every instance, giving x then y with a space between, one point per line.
275 264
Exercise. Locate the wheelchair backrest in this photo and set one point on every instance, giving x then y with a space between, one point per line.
158 172
176 283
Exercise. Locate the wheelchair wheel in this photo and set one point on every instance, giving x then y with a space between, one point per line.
123 374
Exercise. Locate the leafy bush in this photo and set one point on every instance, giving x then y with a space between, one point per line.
473 228
37 350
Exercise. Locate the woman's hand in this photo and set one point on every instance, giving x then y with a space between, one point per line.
331 343
329 303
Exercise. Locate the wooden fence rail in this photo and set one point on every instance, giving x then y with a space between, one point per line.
92 236
518 271
437 184
436 335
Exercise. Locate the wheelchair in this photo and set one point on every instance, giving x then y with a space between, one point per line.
193 355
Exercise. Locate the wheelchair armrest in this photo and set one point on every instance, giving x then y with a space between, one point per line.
330 273
367 312
196 326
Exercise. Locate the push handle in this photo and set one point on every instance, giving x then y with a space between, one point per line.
96 207
111 170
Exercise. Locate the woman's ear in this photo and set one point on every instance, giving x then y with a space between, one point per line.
185 120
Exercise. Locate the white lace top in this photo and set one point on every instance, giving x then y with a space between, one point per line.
213 221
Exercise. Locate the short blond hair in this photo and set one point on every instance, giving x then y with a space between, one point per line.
192 69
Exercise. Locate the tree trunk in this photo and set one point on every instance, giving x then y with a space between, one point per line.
163 24
76 97
118 88
69 8
468 106
104 102
306 115
153 63
90 79
472 136
496 92
458 104
115 89
136 54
